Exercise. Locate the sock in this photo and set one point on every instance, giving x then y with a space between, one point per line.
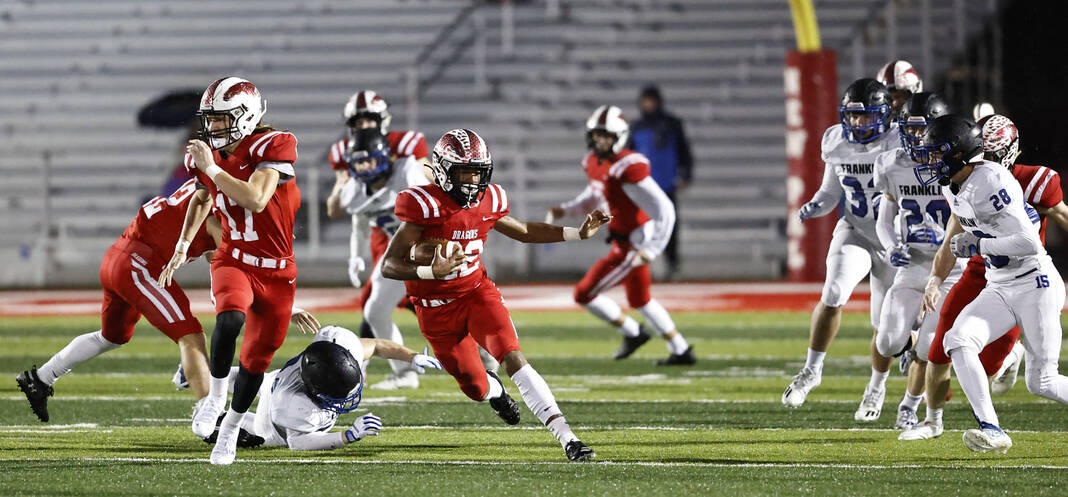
540 401
79 350
495 389
630 327
814 360
232 419
934 416
659 320
878 379
218 389
608 310
910 401
972 379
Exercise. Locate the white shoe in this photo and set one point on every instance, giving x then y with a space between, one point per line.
225 450
407 379
205 416
871 405
924 431
906 418
988 438
179 379
802 384
1005 378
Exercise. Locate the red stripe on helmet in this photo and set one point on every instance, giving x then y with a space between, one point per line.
477 146
602 120
209 96
361 100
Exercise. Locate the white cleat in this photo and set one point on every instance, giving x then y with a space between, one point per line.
205 416
179 379
225 450
871 405
802 384
1005 378
906 418
407 379
988 438
924 431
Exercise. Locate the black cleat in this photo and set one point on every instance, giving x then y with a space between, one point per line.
505 406
365 330
578 451
37 392
245 439
684 359
630 344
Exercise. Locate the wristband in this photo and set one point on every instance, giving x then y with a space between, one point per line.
425 272
182 246
296 310
571 234
212 171
350 437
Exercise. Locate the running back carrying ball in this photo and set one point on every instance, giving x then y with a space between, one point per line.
422 253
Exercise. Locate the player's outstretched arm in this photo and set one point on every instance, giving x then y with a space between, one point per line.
1058 213
397 265
307 323
388 349
364 426
534 232
252 194
333 202
198 210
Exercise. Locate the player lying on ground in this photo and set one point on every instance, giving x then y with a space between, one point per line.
458 306
642 220
300 403
128 276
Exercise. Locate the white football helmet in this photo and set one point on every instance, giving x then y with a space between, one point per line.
608 118
1001 139
461 149
900 75
234 97
367 104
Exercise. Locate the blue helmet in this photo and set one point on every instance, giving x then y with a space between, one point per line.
365 144
332 377
869 96
916 114
949 144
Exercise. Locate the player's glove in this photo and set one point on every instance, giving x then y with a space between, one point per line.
810 209
899 255
356 264
965 244
927 232
422 361
366 425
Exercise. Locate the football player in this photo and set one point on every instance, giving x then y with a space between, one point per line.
300 403
849 150
1023 287
458 305
128 274
1042 191
245 170
911 226
642 220
901 80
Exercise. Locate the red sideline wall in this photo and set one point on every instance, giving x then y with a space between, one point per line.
811 81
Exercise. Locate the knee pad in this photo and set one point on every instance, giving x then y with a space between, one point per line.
833 295
229 323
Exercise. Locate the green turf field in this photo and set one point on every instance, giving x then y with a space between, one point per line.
118 426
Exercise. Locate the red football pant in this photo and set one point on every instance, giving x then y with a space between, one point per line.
972 281
265 296
128 275
613 269
455 330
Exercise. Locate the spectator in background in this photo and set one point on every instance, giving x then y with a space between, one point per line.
659 136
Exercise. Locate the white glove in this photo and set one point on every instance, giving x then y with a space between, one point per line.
810 209
422 361
356 264
964 244
366 425
898 256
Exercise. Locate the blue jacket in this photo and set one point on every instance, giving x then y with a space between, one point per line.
659 136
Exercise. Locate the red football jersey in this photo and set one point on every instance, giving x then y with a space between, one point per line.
607 177
441 217
262 234
159 223
401 143
1042 188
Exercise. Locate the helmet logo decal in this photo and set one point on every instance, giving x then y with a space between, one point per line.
242 87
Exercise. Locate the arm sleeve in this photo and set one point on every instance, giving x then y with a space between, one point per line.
418 149
1012 218
586 201
416 206
315 441
651 199
278 151
1021 244
1048 193
884 226
685 157
829 193
360 236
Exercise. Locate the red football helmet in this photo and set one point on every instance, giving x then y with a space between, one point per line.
456 150
1001 140
234 97
367 104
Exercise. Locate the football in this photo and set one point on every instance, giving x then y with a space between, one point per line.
422 252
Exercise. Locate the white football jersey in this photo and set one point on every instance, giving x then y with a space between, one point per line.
284 407
854 165
377 206
990 204
919 204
